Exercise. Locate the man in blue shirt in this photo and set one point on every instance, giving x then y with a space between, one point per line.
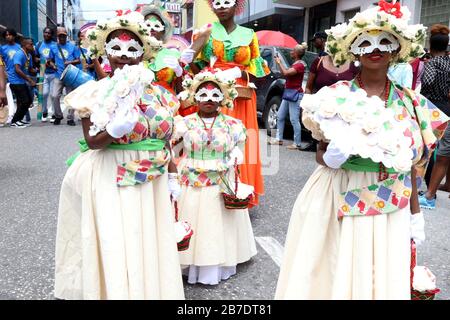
61 55
19 80
9 50
43 49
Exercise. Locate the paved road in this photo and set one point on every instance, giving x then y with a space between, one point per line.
32 168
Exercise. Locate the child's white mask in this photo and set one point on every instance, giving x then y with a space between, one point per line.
375 38
219 4
209 93
155 25
128 47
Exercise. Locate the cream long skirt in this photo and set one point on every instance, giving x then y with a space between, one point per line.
221 237
355 258
115 242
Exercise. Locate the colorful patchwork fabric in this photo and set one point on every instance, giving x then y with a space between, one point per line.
142 171
207 155
226 133
385 197
240 47
200 178
427 126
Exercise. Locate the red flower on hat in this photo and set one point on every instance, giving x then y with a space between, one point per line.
121 12
391 8
124 37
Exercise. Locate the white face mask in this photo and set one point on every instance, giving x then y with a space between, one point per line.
374 38
155 25
124 46
209 93
219 4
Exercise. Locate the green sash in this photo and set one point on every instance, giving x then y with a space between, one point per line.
364 165
144 145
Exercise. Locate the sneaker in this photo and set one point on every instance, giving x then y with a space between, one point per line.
293 147
52 119
44 119
275 141
306 146
56 122
427 204
25 123
71 123
17 124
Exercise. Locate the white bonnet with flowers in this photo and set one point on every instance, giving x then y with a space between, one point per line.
226 86
157 9
389 17
95 40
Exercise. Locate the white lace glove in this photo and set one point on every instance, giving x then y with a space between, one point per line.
233 73
173 64
187 55
174 186
123 122
236 153
334 157
418 228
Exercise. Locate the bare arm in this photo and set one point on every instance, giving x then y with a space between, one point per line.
310 83
100 141
24 76
285 72
321 149
414 201
74 62
99 70
3 100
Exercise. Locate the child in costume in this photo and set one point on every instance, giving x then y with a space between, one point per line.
212 143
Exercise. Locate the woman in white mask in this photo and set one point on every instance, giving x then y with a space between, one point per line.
166 65
115 236
352 224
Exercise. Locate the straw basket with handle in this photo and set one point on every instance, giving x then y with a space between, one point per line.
230 197
415 294
244 92
183 245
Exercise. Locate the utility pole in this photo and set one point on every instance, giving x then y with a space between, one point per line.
63 13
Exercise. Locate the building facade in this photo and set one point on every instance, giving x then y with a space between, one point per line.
28 17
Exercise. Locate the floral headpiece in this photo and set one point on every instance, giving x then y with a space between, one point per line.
95 40
389 17
226 86
240 5
157 9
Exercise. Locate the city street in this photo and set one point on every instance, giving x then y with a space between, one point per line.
32 166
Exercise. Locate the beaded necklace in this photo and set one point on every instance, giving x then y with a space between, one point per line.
208 130
382 172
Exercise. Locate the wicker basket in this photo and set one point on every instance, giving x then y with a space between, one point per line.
244 92
230 200
183 245
417 295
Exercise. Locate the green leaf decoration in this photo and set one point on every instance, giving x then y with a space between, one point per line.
340 100
423 125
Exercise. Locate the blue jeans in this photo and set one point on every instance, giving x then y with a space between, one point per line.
293 108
